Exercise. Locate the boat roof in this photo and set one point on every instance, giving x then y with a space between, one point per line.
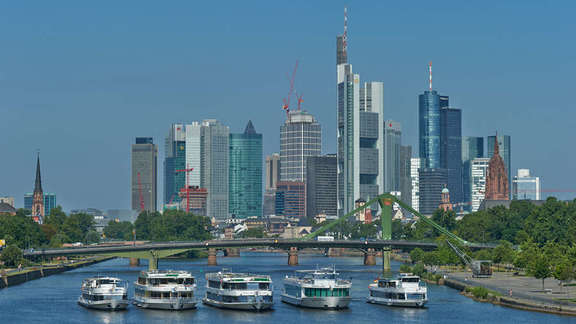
166 274
103 278
231 276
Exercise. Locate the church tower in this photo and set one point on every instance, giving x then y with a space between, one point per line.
497 177
38 196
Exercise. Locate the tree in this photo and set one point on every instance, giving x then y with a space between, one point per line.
11 255
257 232
56 218
540 268
404 268
446 219
564 271
416 255
92 237
503 252
527 251
119 230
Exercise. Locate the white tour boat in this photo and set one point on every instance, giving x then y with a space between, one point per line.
165 289
104 293
321 288
239 291
407 290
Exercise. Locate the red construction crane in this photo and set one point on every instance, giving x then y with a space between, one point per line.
300 101
187 188
140 193
286 101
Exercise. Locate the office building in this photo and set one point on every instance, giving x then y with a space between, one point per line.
272 171
195 200
505 150
415 164
479 170
144 157
246 173
203 147
451 150
291 199
429 128
300 137
405 174
392 144
431 183
360 139
472 148
321 186
525 186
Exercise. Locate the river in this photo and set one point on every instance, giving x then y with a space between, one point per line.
53 299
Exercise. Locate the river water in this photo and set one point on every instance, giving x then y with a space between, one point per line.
53 299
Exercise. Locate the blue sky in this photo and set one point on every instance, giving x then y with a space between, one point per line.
79 80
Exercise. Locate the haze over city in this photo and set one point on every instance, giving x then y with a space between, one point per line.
80 82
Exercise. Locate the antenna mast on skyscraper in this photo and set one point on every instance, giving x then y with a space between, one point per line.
430 72
345 38
286 105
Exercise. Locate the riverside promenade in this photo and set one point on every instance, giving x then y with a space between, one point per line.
526 292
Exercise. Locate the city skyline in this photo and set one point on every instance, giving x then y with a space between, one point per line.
28 98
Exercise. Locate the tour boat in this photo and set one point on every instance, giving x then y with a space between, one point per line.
165 289
104 293
321 288
407 290
239 291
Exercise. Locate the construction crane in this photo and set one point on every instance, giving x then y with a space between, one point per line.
187 188
286 101
300 101
140 193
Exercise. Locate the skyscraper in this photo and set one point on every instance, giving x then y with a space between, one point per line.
300 137
429 129
360 133
272 171
472 147
392 144
504 145
321 185
215 167
144 157
451 150
497 185
174 159
415 164
291 199
405 174
246 173
478 172
431 183
525 186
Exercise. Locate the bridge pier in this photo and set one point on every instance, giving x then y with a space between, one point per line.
134 262
232 252
293 256
212 257
369 257
386 260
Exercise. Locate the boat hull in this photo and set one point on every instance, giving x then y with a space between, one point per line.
257 306
397 302
107 305
166 304
318 302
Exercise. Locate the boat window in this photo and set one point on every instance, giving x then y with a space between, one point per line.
263 286
234 285
189 281
106 282
141 280
412 279
415 296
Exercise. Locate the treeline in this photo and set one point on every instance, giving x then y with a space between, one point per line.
171 225
21 230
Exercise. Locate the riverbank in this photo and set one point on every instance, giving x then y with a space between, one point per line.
497 291
15 278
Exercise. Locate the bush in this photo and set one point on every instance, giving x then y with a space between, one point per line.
11 255
479 292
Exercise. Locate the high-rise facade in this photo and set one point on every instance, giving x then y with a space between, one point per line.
429 127
392 145
478 172
505 150
431 183
405 174
246 173
291 199
272 171
144 155
205 148
415 164
360 139
451 150
321 185
472 148
300 137
526 186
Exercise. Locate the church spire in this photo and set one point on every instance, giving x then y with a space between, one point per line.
38 182
496 147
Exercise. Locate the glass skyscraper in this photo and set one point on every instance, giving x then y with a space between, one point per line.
300 137
246 173
144 169
451 149
175 159
472 148
525 186
429 127
505 150
431 182
392 144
